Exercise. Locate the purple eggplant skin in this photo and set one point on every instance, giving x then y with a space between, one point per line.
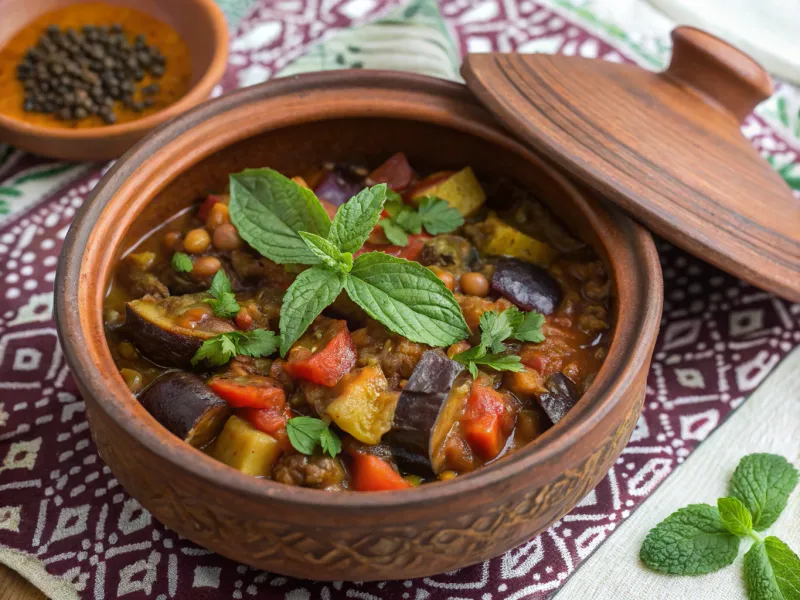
561 395
526 285
420 405
186 407
336 189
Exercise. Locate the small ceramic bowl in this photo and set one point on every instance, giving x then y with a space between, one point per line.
200 23
292 124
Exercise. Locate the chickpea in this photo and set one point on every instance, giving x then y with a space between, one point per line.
475 284
112 317
447 475
127 350
206 266
413 480
217 216
447 278
172 240
197 241
133 379
226 238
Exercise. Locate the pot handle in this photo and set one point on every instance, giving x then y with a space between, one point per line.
719 72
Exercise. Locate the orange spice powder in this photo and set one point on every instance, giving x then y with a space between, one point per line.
173 84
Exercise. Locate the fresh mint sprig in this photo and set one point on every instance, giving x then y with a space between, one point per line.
496 327
701 538
433 214
286 223
306 433
224 302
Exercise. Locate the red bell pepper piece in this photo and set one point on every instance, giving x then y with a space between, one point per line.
205 207
269 420
411 252
335 356
372 474
395 172
487 422
251 391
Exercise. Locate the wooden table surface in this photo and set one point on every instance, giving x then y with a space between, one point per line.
14 587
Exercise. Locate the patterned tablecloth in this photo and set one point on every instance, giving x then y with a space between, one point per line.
66 524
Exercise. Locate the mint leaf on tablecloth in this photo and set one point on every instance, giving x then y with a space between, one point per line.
312 291
269 210
691 541
735 516
355 219
406 297
763 482
772 571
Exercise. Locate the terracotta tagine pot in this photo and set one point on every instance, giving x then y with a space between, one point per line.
291 124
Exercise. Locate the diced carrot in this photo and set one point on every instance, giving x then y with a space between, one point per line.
324 363
487 422
395 172
252 391
372 474
301 182
329 207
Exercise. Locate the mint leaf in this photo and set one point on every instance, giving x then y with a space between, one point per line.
330 442
735 516
312 291
763 483
220 284
269 210
223 347
407 298
772 571
394 233
409 220
531 328
182 262
224 303
356 218
328 253
690 541
496 327
304 433
438 216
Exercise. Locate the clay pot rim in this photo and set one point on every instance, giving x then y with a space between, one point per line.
627 356
200 91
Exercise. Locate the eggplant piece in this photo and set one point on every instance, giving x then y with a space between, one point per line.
526 285
153 326
186 406
561 395
426 411
450 251
336 189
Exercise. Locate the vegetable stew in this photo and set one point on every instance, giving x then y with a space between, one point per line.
357 329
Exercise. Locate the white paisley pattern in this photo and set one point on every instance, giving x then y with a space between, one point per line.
59 503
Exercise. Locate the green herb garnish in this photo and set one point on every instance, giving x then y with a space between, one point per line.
182 262
306 433
286 223
433 214
496 327
701 538
224 302
223 347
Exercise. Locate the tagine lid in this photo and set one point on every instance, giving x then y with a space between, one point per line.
666 147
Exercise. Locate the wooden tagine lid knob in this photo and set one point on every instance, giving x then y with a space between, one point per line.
718 71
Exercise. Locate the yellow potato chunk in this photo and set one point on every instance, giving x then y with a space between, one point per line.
501 239
362 406
245 448
461 190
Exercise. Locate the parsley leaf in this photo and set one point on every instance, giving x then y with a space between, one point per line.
224 302
305 433
772 571
223 347
182 262
496 327
530 330
763 483
409 220
735 516
478 356
437 216
394 233
691 541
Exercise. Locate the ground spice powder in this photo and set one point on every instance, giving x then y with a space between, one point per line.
173 84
